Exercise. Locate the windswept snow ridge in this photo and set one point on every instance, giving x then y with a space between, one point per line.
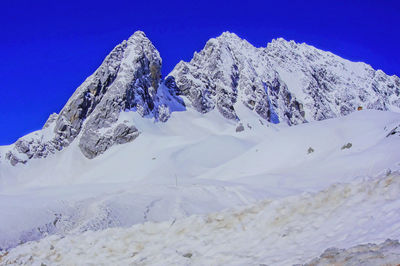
273 232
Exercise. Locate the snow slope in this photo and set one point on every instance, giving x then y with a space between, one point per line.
283 231
168 173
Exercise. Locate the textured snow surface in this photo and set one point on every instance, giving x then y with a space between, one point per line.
283 231
194 164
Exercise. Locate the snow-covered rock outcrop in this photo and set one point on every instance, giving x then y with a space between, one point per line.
229 72
127 79
284 82
386 253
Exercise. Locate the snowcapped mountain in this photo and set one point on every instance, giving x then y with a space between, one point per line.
285 82
128 78
262 146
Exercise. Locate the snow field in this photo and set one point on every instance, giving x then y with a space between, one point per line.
167 173
283 231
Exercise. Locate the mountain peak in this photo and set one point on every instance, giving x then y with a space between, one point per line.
227 35
284 82
282 43
138 35
127 79
230 39
279 40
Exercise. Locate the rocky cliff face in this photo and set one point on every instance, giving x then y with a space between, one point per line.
133 86
285 82
229 72
127 79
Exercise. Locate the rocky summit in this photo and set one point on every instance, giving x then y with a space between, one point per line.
284 82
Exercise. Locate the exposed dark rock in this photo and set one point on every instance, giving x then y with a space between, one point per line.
347 146
386 253
394 131
240 128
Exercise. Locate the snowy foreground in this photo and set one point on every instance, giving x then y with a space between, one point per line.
272 200
206 168
284 231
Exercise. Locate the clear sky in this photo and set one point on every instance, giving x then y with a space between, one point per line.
48 48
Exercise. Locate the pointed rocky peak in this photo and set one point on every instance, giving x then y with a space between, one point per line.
138 35
127 79
220 76
142 46
229 41
229 37
279 41
134 88
216 51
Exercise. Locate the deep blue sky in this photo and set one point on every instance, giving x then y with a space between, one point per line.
48 48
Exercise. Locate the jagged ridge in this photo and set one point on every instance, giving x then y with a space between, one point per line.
127 79
283 82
